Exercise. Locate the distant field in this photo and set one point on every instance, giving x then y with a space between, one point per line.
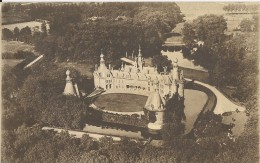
233 20
30 24
14 46
11 62
192 10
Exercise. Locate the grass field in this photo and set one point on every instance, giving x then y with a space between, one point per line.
21 25
121 102
11 62
14 46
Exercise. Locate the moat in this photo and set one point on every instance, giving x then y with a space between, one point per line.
194 102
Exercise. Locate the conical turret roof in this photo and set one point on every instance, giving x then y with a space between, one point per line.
155 102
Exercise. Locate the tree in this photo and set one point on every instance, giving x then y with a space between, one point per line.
94 156
9 84
161 61
16 33
105 142
8 151
25 34
6 7
44 84
207 28
246 25
7 34
188 35
44 29
210 29
42 151
67 112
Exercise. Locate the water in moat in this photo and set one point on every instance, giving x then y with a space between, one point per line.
194 102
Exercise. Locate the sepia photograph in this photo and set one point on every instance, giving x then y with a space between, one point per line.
130 82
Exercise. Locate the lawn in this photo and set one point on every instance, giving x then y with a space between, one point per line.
14 46
11 62
21 25
121 102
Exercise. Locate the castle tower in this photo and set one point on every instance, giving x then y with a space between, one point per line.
69 88
181 85
122 67
174 88
155 104
102 67
140 59
135 65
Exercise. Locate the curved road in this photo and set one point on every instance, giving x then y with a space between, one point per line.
217 102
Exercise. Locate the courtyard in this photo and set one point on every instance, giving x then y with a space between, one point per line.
121 102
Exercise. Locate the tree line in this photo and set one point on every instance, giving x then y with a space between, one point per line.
241 7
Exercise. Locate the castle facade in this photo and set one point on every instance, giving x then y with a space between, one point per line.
134 77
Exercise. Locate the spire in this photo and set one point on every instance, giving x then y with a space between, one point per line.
102 56
102 66
140 60
175 70
139 54
122 67
126 54
175 62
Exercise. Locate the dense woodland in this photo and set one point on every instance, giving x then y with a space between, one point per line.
116 28
230 59
32 98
